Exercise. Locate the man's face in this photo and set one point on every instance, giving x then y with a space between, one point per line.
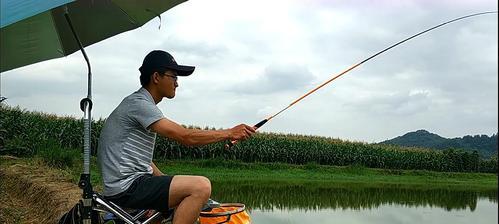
168 84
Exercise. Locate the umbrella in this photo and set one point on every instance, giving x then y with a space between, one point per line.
33 30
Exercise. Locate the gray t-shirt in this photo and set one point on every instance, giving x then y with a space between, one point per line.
126 145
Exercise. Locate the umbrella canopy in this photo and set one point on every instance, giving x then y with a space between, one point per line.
33 31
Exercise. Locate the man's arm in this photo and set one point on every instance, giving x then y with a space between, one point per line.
155 170
194 137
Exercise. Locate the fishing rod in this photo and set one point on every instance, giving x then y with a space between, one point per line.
261 123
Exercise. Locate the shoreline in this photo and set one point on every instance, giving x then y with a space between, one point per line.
327 176
235 172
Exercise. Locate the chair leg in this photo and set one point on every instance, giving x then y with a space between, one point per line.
153 217
121 213
140 214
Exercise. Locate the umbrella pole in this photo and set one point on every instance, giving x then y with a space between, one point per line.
86 107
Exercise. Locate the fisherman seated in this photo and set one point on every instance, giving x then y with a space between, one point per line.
127 141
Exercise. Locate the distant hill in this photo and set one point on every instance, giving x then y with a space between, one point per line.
485 145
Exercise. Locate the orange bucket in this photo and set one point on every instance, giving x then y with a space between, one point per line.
227 213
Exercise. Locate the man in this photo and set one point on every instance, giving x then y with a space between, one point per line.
127 141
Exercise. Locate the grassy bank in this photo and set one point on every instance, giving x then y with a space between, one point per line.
230 171
223 172
271 186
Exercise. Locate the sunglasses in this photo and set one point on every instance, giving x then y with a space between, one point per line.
174 76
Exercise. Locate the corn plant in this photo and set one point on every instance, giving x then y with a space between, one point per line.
27 130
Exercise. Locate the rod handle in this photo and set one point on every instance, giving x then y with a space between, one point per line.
256 126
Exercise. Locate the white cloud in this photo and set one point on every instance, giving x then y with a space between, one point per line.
275 78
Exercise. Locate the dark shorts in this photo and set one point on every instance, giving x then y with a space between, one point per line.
146 192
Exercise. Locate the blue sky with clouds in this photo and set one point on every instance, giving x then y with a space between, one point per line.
253 58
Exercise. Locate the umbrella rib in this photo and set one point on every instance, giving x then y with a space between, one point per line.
127 15
61 50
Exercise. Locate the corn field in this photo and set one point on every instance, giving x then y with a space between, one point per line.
24 131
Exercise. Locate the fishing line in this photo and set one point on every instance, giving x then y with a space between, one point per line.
261 123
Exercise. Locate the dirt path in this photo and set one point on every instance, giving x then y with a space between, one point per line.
33 193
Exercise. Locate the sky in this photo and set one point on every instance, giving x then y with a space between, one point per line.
253 58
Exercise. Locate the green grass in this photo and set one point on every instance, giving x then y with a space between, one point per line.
56 156
230 171
222 171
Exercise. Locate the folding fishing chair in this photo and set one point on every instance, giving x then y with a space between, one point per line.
212 212
111 212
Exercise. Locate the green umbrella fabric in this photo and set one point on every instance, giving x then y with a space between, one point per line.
47 35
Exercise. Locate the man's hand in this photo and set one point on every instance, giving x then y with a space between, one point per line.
241 132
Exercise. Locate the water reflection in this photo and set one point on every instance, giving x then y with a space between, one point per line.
313 197
486 213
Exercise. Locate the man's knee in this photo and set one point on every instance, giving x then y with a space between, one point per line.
203 187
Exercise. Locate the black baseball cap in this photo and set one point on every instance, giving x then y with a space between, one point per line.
159 59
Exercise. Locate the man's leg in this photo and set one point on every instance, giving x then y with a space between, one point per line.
188 194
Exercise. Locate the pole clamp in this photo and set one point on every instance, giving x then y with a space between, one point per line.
83 102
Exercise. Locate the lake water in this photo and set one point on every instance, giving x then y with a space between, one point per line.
278 203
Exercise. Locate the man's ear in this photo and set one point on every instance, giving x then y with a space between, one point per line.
155 77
